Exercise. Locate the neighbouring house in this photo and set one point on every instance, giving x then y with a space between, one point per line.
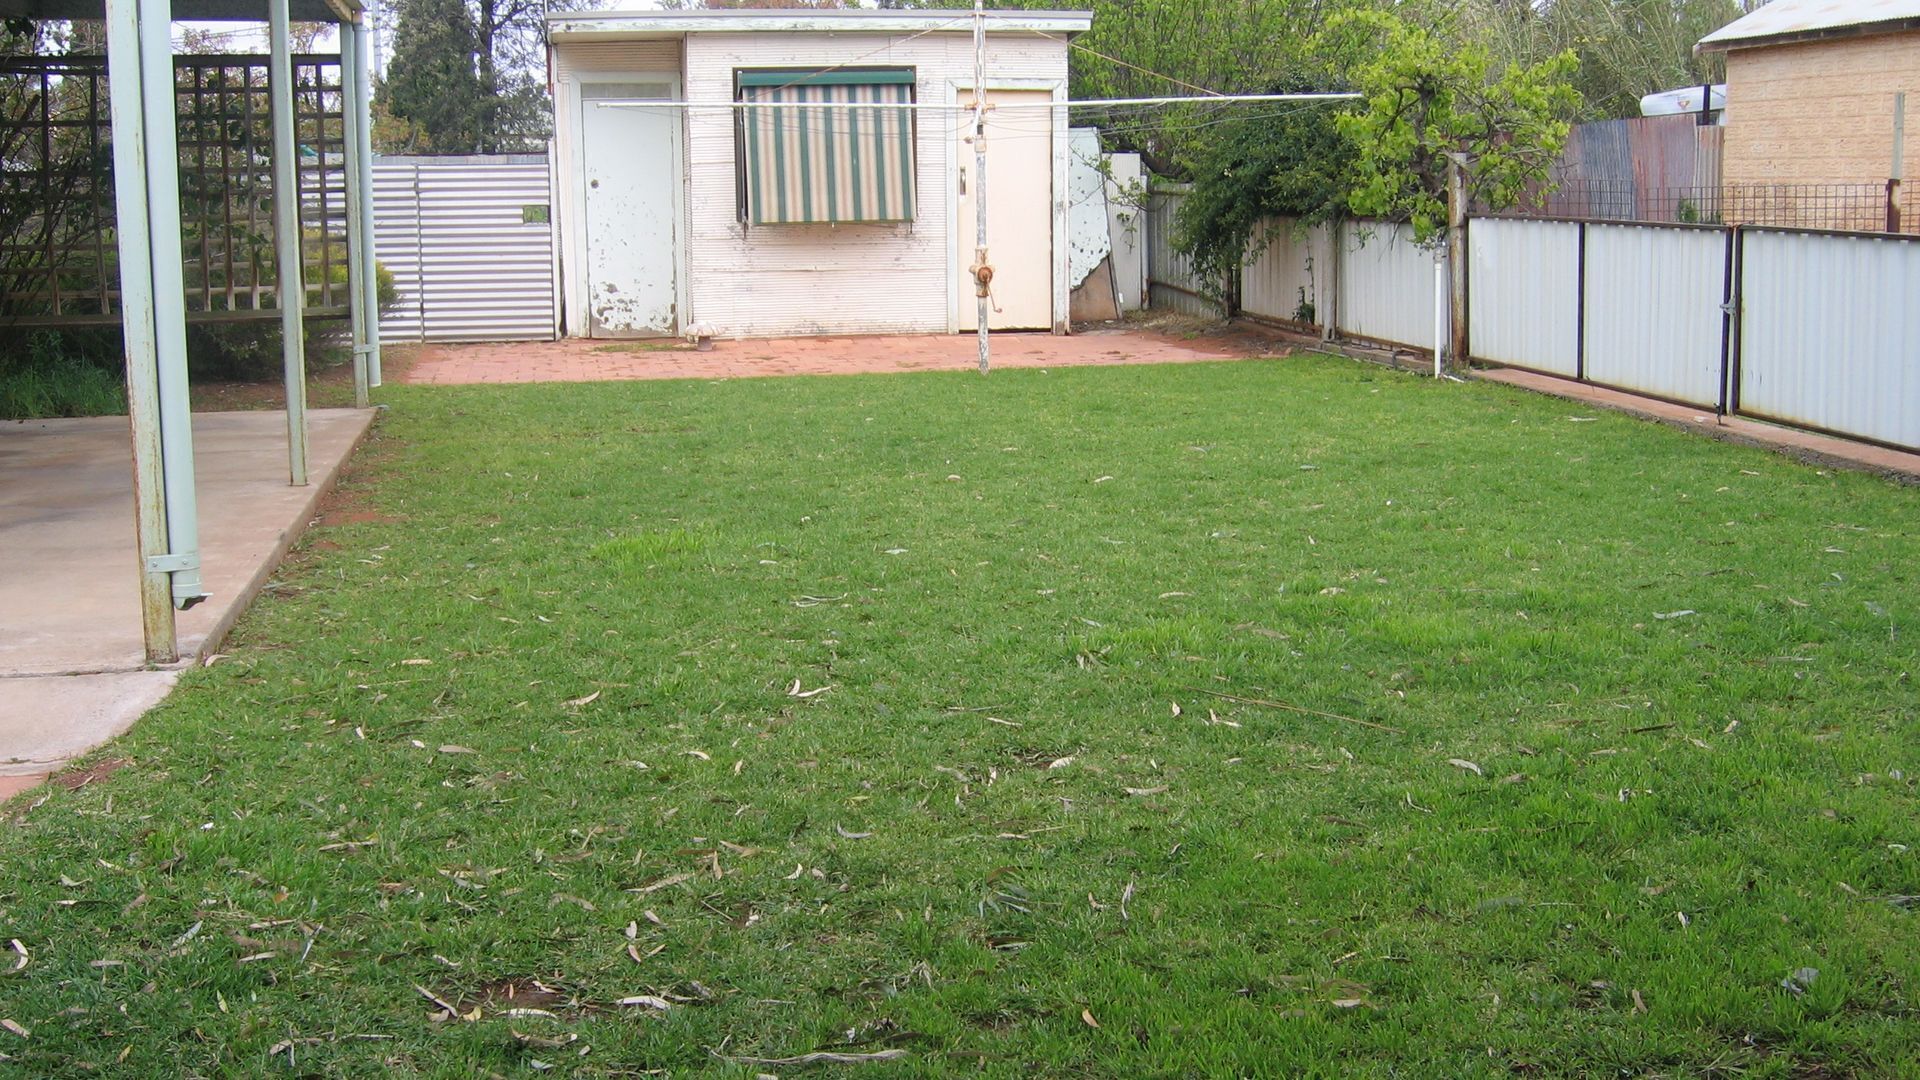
813 211
1811 92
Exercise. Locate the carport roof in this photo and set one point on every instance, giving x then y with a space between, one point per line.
333 11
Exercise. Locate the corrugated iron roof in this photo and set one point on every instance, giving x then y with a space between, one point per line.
1790 19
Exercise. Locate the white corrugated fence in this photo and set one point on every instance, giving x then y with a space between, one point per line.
1824 337
470 244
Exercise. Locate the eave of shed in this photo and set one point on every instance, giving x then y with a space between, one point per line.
1785 21
640 25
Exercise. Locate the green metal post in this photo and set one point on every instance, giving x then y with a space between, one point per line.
351 109
290 282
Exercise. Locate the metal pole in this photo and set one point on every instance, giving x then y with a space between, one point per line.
1439 307
982 270
1895 177
350 109
182 561
364 34
137 316
290 283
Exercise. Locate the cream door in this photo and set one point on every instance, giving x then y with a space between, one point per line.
1019 211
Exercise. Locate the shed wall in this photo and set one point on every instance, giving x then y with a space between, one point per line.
1820 112
824 279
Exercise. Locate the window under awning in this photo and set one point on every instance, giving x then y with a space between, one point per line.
827 164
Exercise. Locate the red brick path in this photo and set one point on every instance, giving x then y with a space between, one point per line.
577 360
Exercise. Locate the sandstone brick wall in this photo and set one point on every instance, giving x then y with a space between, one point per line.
1821 113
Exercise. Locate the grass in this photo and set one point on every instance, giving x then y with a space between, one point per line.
60 388
886 715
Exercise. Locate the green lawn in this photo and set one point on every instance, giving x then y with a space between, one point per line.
897 715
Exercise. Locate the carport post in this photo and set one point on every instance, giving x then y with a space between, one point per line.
153 314
290 284
360 129
350 108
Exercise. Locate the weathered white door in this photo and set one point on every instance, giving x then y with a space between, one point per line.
630 165
1019 211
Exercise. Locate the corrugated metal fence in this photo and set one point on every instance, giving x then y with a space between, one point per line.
1824 337
1171 284
470 244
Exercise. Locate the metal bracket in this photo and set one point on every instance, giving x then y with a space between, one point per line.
1730 308
365 350
172 564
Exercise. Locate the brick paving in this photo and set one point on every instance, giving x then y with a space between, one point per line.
580 360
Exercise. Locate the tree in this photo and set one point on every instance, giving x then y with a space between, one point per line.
432 87
1427 100
468 76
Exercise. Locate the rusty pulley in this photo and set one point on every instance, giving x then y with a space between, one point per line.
982 279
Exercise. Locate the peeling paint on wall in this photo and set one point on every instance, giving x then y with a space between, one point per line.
1088 239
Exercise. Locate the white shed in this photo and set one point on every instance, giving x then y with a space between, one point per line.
676 207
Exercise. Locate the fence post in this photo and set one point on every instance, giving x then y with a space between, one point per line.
1580 305
1460 342
1329 309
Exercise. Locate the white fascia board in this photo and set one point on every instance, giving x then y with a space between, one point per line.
631 25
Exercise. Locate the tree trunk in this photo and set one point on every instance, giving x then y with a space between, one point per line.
486 25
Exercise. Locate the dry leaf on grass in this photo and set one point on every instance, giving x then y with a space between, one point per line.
851 835
1086 1017
575 703
662 883
15 1027
1463 763
819 1057
25 958
1142 791
455 748
437 1000
648 1001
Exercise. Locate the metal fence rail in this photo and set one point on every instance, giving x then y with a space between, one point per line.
470 244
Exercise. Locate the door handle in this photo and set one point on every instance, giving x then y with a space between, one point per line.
963 179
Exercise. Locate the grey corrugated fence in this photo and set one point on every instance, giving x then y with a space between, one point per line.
1171 284
470 244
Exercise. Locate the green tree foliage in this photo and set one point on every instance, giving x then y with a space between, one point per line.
1153 48
432 87
1425 99
1626 48
1285 163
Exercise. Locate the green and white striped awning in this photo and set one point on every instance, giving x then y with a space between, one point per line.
827 165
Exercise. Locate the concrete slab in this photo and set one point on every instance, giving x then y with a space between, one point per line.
53 718
71 656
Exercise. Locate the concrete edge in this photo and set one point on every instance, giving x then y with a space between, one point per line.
317 491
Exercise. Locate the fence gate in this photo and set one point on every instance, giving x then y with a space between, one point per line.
470 244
